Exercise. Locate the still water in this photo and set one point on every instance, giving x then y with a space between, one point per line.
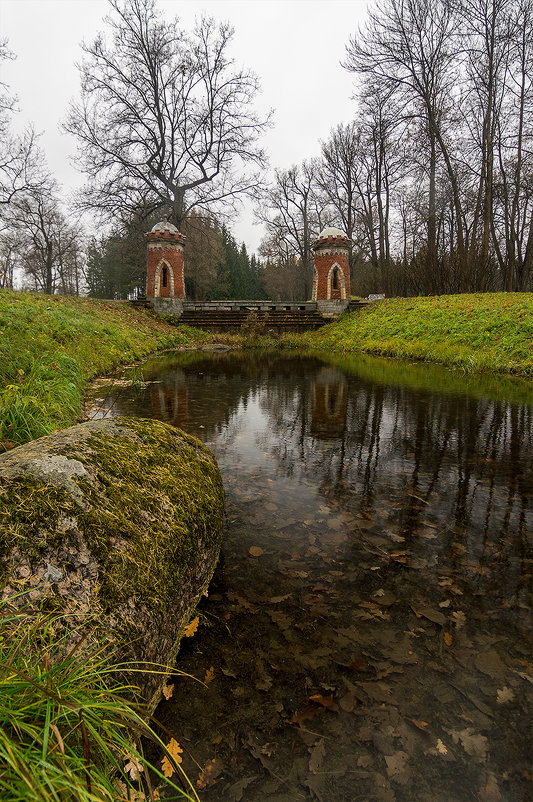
367 632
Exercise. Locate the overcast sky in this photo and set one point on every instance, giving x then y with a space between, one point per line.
295 47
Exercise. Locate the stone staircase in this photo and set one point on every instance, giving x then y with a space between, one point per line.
256 318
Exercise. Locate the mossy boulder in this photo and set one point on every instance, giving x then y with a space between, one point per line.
115 523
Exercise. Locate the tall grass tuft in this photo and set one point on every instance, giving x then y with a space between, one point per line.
67 729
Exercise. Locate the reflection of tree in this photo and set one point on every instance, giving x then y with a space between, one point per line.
413 459
404 460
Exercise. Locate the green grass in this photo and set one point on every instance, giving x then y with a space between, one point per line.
490 332
67 730
51 346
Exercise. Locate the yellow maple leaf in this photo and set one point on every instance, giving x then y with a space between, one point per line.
191 628
209 675
175 751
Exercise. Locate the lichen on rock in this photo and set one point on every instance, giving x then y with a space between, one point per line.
118 521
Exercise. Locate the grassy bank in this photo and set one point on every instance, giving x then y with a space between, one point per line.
66 729
490 332
51 346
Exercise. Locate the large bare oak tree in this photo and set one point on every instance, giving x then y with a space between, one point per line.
165 120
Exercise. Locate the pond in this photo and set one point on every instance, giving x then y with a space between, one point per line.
367 633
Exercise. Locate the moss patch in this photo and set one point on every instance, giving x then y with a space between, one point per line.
151 498
154 502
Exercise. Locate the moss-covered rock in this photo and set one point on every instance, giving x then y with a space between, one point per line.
117 521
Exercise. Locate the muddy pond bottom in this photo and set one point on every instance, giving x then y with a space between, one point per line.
366 634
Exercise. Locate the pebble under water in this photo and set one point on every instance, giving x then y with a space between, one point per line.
367 633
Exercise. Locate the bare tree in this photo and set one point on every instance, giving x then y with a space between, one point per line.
487 28
46 243
20 162
408 46
165 118
511 212
7 261
292 212
339 171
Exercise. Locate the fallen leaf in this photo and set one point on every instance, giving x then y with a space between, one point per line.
504 695
448 639
459 619
191 628
236 790
209 675
490 663
175 751
474 745
378 691
348 702
316 756
398 767
255 551
209 773
168 690
445 603
133 767
430 614
306 714
325 701
441 748
421 725
490 792
359 665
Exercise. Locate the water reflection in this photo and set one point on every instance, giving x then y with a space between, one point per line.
378 647
328 417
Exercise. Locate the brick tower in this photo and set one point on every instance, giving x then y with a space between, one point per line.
164 262
331 281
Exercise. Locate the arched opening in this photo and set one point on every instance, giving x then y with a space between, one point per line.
164 280
336 286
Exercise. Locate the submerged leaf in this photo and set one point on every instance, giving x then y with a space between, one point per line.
316 756
504 695
430 614
320 699
209 773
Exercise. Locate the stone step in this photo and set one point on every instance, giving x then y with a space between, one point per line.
225 319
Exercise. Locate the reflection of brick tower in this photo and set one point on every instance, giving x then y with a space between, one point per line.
170 399
164 270
331 280
330 399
